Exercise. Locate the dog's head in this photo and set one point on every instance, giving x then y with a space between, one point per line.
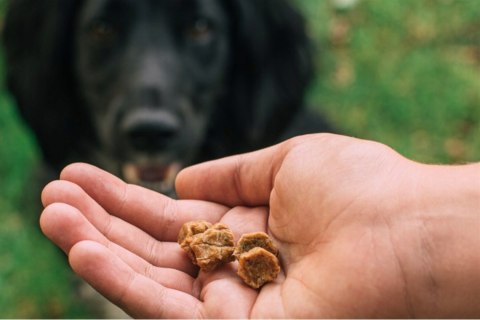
143 88
151 73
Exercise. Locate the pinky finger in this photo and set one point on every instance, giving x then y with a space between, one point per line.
136 294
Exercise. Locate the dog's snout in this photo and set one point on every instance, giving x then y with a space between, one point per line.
150 131
150 137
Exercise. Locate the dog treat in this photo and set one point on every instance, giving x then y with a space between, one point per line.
257 257
187 233
249 241
257 267
207 245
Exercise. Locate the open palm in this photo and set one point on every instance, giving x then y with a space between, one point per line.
122 239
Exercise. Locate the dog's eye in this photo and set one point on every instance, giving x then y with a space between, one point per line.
200 29
102 31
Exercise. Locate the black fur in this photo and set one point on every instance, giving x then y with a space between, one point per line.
153 82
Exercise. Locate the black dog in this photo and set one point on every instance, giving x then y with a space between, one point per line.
143 88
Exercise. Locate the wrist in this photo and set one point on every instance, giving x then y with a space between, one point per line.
441 241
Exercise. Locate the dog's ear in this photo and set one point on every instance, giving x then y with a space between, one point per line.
38 51
272 67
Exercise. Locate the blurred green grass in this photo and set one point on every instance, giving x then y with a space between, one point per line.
403 72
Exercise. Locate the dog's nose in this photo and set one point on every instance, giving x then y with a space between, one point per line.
151 137
150 130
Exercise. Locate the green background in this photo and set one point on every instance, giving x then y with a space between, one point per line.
402 72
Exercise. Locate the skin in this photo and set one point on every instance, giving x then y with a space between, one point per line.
361 230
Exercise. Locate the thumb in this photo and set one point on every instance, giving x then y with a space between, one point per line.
245 179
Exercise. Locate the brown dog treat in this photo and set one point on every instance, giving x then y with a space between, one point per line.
257 257
249 241
192 228
207 246
214 247
257 267
187 235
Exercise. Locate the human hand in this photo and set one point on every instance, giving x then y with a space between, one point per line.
347 215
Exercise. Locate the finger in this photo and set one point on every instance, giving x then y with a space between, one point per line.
245 179
66 225
139 296
157 214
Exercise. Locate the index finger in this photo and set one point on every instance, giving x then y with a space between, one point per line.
157 214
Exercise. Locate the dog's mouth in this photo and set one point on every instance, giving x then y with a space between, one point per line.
158 177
